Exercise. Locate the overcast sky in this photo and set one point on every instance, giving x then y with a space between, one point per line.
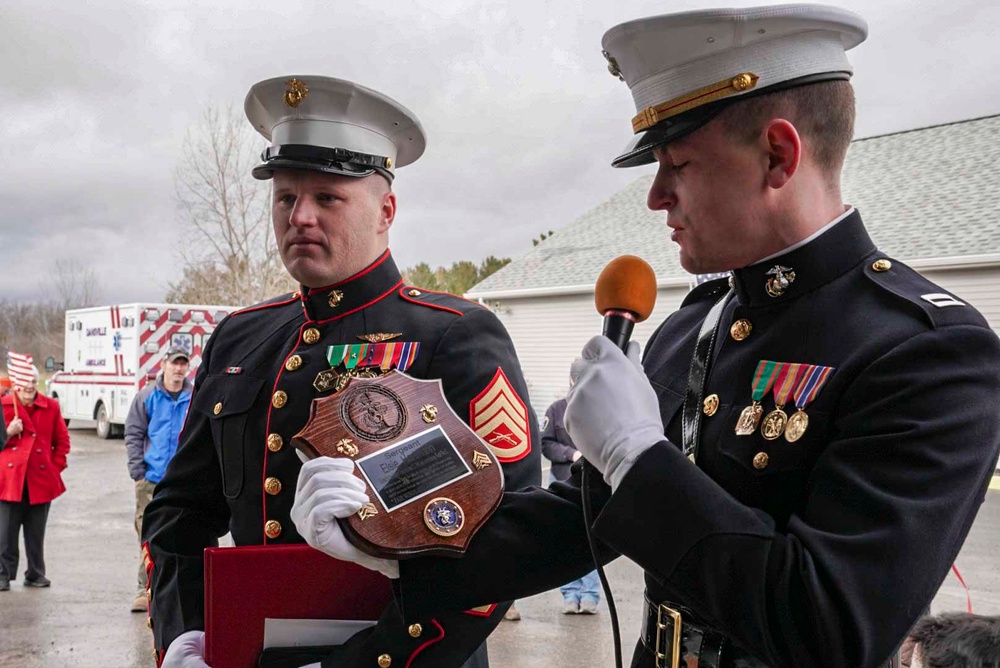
521 114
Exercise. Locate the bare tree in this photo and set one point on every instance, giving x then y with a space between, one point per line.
76 286
231 256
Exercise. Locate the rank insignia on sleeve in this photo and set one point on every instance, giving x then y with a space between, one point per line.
499 417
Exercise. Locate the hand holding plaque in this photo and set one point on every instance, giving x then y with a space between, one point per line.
431 480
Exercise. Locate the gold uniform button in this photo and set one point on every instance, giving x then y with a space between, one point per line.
311 335
415 630
760 461
272 486
279 399
149 622
275 442
882 265
272 528
149 595
218 408
384 661
296 294
414 293
710 405
293 363
741 329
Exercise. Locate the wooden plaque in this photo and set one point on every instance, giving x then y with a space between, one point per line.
431 480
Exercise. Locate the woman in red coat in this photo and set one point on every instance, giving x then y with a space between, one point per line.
31 464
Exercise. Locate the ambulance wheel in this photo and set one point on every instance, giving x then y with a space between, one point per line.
103 423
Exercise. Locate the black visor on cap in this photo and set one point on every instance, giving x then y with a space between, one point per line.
321 159
640 151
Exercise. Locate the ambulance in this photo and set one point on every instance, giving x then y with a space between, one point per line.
112 352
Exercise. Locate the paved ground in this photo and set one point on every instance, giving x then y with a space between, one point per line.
83 620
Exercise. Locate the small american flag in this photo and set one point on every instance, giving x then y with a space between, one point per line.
20 368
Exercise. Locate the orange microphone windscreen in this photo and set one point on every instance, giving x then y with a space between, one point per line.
627 283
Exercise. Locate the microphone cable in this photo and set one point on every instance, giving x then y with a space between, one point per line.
588 519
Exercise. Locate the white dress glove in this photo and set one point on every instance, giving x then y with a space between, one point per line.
186 651
327 490
612 413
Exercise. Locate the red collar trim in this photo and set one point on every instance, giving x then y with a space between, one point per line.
382 258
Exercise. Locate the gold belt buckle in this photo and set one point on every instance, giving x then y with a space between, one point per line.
662 612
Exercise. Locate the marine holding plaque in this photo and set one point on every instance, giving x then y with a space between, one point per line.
335 148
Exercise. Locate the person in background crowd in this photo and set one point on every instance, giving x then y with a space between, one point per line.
152 430
31 466
580 595
4 390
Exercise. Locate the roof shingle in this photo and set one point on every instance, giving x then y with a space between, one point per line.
927 193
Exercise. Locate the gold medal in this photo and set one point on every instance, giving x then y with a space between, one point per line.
774 424
326 380
763 377
797 425
788 378
749 418
806 390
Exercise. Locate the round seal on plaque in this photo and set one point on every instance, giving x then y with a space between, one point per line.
373 413
443 516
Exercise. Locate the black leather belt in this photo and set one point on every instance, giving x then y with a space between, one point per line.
676 639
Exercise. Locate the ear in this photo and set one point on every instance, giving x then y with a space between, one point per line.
784 152
387 212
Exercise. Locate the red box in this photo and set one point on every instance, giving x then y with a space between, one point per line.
246 585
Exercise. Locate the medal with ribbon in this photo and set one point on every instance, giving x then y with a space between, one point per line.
763 378
787 378
397 355
364 360
811 382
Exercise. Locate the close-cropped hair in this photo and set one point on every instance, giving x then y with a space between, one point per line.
822 113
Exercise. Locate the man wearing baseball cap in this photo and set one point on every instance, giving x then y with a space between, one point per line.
152 430
795 433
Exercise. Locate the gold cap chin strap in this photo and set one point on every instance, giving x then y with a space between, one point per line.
650 116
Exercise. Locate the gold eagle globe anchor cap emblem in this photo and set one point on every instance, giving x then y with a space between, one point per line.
779 278
295 92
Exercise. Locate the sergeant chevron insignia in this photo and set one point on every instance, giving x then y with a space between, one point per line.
499 417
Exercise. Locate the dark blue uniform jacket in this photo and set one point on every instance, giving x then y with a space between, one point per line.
827 555
237 438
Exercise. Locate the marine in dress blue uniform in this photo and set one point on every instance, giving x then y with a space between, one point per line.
766 541
235 469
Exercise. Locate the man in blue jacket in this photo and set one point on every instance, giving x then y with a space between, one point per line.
151 432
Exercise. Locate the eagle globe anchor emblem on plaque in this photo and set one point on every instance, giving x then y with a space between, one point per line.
431 482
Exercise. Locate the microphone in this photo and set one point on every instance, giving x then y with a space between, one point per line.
625 294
